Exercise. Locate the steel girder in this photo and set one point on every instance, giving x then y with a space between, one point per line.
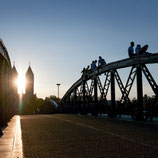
150 79
84 92
128 85
106 85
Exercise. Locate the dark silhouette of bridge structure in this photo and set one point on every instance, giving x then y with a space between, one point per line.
7 89
83 98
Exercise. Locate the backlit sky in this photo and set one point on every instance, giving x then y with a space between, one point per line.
60 37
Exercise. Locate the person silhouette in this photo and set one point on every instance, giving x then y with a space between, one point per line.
131 50
101 61
93 65
143 50
137 49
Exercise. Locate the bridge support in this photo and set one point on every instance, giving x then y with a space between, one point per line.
95 108
139 112
84 98
113 104
68 110
75 105
151 80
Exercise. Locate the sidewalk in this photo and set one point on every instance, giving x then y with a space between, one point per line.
10 142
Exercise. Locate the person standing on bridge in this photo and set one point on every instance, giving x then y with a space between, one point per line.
131 50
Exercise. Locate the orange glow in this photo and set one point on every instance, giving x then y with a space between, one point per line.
21 84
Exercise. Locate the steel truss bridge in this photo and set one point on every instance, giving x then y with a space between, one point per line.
83 97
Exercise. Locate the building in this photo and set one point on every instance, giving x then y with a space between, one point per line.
14 77
29 97
29 82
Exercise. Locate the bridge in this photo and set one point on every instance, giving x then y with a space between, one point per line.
67 135
83 97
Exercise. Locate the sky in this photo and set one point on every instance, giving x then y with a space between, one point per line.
60 37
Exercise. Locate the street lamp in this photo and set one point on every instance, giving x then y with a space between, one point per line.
58 84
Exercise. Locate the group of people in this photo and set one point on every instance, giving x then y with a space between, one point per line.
138 50
131 52
101 62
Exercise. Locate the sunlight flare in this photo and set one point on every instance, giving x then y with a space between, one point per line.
21 84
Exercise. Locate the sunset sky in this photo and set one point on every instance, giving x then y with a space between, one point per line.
60 37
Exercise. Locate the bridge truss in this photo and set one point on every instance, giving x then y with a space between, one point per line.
83 97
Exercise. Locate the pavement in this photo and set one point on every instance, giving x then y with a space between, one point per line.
10 142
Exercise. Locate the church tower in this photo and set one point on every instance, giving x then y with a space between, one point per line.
29 85
14 77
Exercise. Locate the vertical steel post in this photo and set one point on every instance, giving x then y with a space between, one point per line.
95 112
84 98
69 104
75 106
113 104
139 115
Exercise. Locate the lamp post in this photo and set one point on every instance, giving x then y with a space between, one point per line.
58 84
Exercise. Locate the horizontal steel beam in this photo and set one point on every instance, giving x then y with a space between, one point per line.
148 59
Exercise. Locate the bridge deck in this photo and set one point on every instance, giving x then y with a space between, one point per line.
66 136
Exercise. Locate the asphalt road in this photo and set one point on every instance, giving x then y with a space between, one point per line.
75 136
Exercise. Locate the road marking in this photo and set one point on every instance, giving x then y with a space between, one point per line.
101 130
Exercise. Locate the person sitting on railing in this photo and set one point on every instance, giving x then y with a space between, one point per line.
93 65
83 72
137 49
131 50
87 70
143 50
101 62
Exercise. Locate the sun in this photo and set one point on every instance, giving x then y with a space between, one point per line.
21 83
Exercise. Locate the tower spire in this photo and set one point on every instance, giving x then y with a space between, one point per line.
29 75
